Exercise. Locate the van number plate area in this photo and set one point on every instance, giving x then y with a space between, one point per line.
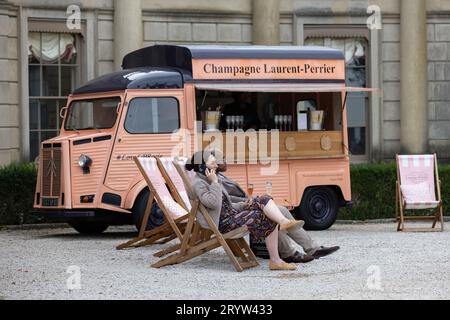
50 202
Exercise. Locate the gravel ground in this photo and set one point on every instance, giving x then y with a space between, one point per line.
374 262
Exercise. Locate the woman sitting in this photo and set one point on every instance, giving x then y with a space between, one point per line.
259 214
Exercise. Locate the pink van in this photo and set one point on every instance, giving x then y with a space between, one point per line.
277 112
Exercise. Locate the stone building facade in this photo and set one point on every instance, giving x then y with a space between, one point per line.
406 55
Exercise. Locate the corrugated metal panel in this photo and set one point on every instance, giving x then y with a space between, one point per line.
122 169
251 173
84 184
238 172
280 182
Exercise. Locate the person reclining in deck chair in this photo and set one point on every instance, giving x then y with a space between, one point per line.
260 214
286 248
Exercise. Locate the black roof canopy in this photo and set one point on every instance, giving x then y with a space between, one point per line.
136 78
169 66
181 56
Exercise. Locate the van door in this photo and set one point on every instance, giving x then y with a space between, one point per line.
146 126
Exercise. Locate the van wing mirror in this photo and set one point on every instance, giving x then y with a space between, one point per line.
62 112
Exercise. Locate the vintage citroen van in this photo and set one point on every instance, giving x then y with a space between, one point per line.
87 177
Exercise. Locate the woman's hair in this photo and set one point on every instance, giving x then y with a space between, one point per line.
199 158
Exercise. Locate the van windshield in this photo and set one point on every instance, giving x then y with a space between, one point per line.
92 114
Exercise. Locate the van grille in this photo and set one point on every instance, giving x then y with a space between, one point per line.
51 172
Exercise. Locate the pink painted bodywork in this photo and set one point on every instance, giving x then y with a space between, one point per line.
114 173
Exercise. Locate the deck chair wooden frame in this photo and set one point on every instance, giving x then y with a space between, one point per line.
400 204
170 229
197 240
178 198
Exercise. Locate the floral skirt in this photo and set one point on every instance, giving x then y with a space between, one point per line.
252 216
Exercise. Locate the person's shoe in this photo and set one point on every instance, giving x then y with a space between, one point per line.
281 266
291 224
324 251
297 257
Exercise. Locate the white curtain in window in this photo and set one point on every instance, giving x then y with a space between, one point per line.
54 45
353 48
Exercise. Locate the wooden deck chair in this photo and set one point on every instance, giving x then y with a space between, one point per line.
416 189
175 212
178 190
197 240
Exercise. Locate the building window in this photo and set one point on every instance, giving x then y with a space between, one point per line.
355 50
53 71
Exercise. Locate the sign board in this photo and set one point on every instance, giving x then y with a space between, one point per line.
252 69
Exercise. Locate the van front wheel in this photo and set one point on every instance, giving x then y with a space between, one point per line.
318 208
156 216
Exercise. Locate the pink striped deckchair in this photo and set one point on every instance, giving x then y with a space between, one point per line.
197 240
174 181
418 188
178 191
175 211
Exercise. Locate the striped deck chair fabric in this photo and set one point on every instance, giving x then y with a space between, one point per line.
418 188
417 181
176 211
176 179
154 175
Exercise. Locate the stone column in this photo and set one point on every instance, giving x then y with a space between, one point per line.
266 22
413 77
128 29
10 115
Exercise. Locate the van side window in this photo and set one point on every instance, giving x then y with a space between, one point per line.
153 115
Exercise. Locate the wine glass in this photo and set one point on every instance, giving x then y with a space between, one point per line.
289 119
233 121
277 120
250 188
241 121
228 120
269 188
285 121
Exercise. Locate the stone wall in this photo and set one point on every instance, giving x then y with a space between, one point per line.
184 28
9 86
230 23
105 47
196 28
438 86
391 87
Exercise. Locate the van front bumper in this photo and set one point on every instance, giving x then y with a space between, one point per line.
48 213
92 215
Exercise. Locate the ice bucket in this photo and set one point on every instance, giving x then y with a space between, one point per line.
212 120
316 120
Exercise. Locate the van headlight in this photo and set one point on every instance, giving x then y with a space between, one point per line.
84 162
